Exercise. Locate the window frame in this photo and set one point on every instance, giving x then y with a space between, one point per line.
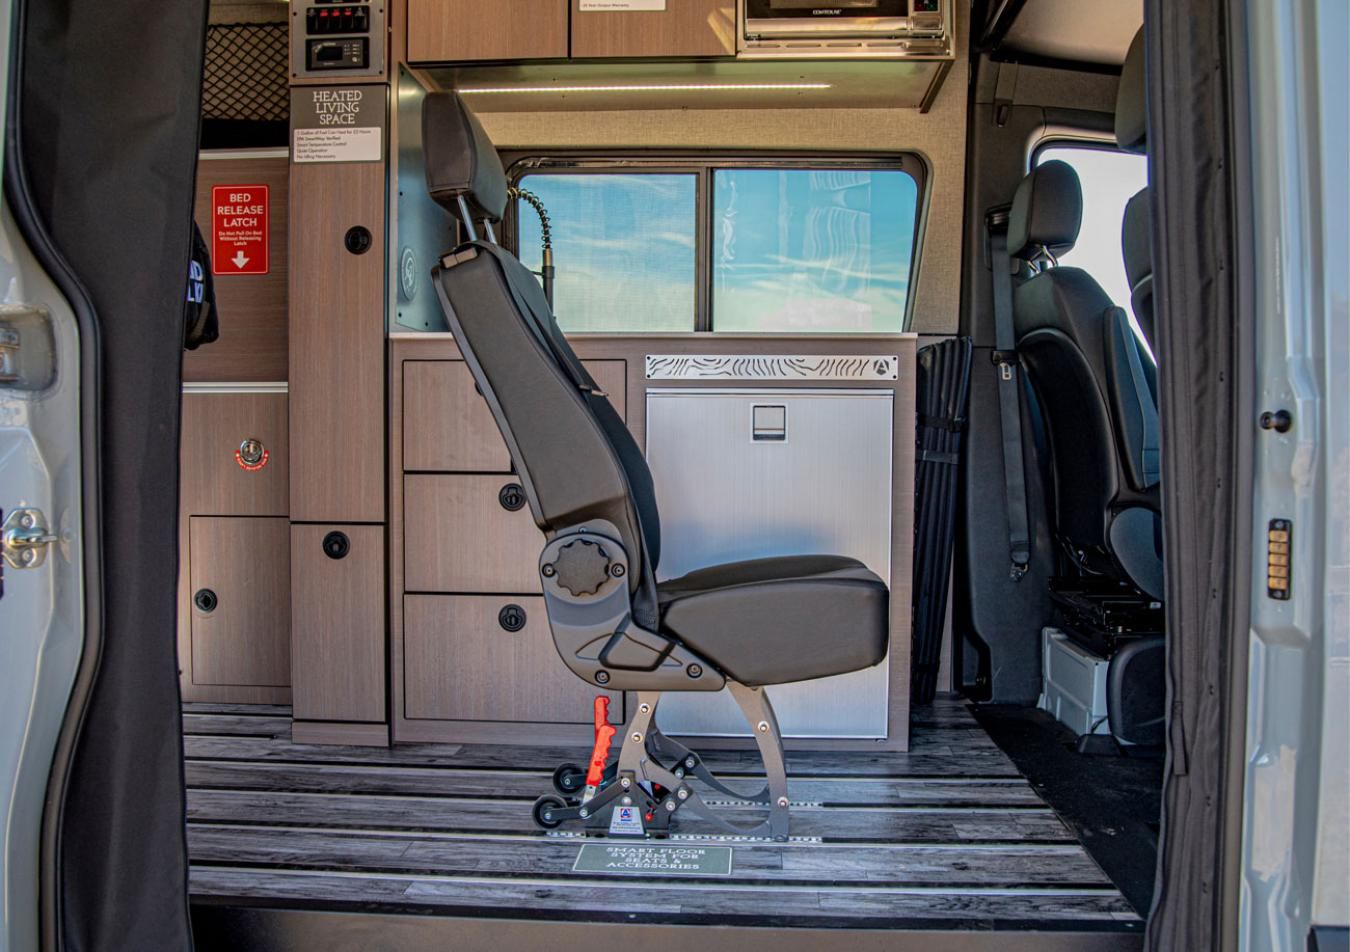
702 164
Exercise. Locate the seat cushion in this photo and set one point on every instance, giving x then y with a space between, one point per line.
772 621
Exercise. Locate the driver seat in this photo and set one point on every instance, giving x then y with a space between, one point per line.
743 625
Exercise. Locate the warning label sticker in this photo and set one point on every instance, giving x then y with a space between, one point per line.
626 821
337 124
671 860
239 229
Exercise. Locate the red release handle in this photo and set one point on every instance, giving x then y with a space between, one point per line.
604 736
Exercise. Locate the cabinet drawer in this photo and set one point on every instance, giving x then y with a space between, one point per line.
449 31
217 482
458 536
240 601
460 663
447 426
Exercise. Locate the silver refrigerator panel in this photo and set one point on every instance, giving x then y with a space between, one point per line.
744 474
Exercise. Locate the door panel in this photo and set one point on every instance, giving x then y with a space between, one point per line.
338 624
244 637
217 479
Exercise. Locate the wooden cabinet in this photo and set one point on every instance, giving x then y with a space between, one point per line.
337 623
459 556
685 28
451 31
239 619
234 643
461 662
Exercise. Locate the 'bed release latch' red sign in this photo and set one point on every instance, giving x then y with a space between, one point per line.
239 229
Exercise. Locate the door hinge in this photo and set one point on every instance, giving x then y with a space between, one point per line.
24 539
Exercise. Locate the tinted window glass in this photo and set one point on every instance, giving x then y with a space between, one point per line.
623 247
821 250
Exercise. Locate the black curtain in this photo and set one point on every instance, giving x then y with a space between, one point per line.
1206 368
101 149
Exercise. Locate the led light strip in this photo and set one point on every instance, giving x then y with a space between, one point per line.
647 88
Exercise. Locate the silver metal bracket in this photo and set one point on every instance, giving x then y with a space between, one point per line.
9 354
24 539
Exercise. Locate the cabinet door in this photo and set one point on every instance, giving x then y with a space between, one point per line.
456 31
460 537
221 475
240 601
462 663
337 412
683 28
447 426
338 623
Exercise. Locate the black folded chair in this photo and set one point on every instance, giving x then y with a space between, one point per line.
742 626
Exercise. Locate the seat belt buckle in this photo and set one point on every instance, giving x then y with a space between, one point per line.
1005 360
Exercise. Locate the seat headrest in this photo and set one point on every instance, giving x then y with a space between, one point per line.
1046 211
1131 99
1136 238
460 158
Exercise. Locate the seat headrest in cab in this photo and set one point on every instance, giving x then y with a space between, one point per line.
460 158
1131 99
1047 211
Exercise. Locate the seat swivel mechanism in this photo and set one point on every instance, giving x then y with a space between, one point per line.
585 575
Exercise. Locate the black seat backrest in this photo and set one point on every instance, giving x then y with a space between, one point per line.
576 460
1136 229
1085 364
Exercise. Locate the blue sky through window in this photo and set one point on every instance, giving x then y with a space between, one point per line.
793 250
623 246
812 249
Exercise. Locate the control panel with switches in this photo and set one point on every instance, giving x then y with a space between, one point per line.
337 37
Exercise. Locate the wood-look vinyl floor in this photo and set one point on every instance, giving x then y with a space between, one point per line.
947 835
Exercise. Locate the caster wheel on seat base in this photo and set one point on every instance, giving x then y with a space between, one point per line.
546 810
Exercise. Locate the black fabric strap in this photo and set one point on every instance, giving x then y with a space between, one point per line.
933 456
1010 407
950 424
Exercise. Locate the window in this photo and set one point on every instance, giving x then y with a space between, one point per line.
623 249
812 249
1109 179
784 246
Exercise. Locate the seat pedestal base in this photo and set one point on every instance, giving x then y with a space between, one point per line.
650 782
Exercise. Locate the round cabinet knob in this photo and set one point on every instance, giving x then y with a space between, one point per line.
511 618
336 545
205 600
512 497
358 239
251 455
581 567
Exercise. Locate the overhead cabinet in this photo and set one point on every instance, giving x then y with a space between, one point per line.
675 28
470 31
464 31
